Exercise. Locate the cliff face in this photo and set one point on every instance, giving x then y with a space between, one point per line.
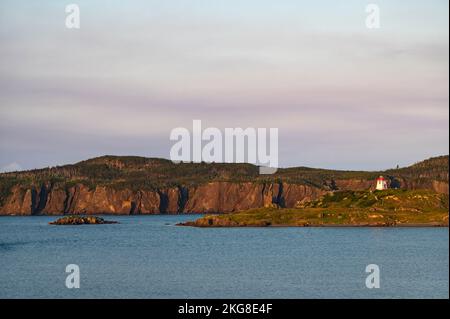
137 185
437 186
214 197
18 203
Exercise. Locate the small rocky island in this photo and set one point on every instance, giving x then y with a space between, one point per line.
81 220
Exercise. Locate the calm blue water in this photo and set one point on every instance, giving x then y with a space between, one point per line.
149 257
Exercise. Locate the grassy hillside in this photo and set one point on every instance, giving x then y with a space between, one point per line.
350 208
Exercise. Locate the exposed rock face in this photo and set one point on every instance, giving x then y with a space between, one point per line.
214 197
55 202
294 195
225 197
440 187
354 184
101 199
437 186
146 203
19 202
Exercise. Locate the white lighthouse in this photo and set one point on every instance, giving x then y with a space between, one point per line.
381 183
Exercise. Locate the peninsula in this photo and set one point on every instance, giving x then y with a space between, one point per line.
384 208
130 185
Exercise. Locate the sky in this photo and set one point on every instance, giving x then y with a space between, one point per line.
342 96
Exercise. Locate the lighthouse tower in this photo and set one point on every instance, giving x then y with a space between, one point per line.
381 183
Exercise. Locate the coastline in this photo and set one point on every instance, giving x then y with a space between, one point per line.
412 225
193 223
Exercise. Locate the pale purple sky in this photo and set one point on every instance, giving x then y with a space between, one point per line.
342 96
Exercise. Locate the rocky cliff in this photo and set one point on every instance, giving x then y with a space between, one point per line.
222 197
132 185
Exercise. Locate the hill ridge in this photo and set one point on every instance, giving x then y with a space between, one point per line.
133 184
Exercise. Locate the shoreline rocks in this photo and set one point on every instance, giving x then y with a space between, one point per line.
81 220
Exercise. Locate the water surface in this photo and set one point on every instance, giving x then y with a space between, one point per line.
149 257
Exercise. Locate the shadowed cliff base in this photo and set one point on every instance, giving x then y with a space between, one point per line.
130 185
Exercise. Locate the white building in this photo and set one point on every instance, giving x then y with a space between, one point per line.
381 183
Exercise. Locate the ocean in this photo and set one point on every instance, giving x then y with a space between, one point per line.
150 257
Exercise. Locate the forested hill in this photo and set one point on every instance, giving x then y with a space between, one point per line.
137 185
138 172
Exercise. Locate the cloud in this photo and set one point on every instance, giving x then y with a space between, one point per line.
134 71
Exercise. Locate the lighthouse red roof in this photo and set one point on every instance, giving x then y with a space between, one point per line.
381 178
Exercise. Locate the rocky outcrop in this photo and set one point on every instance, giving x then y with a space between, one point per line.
353 184
224 197
294 195
19 202
440 187
78 220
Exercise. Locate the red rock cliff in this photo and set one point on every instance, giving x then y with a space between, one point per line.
219 197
